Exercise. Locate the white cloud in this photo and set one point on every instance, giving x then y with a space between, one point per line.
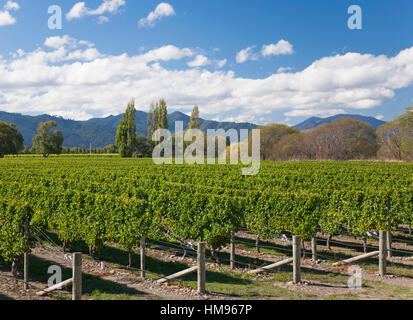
199 61
11 6
71 77
245 55
162 10
221 63
6 18
167 53
57 42
282 47
379 117
103 19
284 69
79 10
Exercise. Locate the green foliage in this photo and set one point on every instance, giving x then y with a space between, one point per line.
126 132
195 123
13 240
11 141
47 142
105 199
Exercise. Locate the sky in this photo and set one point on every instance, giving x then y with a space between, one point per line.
260 61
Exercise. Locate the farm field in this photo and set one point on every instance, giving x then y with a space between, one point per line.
103 206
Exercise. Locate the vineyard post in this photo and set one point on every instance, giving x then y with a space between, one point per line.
388 234
232 249
143 249
26 256
201 268
77 276
382 255
297 259
388 244
314 248
26 271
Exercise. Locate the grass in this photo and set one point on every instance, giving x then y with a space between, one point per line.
221 279
4 297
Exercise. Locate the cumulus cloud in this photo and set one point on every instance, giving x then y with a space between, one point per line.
199 61
221 63
246 54
79 10
282 47
162 10
284 69
72 78
6 18
11 6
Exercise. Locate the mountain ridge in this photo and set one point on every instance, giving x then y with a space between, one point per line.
314 122
100 132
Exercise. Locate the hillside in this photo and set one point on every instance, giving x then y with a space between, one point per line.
101 132
315 122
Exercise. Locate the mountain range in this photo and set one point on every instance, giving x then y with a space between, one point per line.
100 132
315 122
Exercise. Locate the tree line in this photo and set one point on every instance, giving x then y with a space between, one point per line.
342 139
48 141
131 144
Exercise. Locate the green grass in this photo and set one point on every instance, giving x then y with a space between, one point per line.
220 280
4 297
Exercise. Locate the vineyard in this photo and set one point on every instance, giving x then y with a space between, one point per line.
102 200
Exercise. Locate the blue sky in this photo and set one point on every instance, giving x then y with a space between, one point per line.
188 55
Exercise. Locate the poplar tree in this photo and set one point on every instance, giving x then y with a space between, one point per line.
195 123
149 122
126 132
163 115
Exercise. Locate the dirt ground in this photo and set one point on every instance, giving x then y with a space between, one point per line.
329 283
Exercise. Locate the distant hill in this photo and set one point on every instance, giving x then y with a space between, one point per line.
315 122
101 132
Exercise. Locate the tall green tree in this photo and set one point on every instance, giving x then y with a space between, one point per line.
126 133
195 123
160 115
163 115
48 142
11 141
149 122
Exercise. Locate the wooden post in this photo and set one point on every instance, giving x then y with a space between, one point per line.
178 275
232 250
143 262
257 243
297 260
314 248
272 266
358 258
388 244
26 271
26 255
389 239
201 268
382 254
77 276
